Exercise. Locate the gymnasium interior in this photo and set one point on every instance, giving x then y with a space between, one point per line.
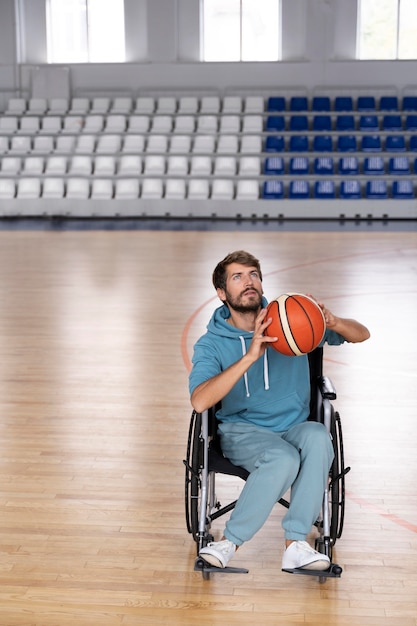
122 184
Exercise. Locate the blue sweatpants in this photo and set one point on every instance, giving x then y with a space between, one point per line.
299 458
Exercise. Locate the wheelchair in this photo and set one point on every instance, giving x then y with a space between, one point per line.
205 459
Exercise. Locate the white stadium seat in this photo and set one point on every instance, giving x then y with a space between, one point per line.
33 165
198 189
53 188
121 105
152 188
81 165
130 165
222 189
175 189
78 188
43 145
37 106
154 165
133 143
7 188
102 189
56 165
127 189
16 106
201 166
104 165
247 190
144 104
58 106
29 188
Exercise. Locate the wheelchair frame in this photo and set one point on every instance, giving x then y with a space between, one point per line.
205 460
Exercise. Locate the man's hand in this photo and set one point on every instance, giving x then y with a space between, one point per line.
260 341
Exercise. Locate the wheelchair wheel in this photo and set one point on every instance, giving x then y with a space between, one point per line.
192 475
336 492
337 481
193 468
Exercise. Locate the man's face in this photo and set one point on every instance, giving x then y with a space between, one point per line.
243 290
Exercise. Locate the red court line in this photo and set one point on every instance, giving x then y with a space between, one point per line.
184 336
187 362
389 516
189 322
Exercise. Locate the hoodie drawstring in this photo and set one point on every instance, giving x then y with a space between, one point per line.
266 373
245 375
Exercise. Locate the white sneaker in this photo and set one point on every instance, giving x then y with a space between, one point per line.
218 553
300 554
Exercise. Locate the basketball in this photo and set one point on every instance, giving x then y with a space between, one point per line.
297 321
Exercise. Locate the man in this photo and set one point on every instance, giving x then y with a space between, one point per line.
263 417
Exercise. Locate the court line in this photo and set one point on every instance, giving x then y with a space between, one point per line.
389 516
187 361
189 322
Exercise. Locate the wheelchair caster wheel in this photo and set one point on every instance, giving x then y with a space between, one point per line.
336 569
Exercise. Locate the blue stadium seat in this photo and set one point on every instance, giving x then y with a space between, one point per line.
415 166
298 123
325 189
346 143
345 122
366 103
299 103
413 143
376 190
368 123
320 103
275 123
411 122
274 143
322 143
371 143
343 103
373 166
395 143
399 165
392 122
273 190
276 103
348 166
410 103
324 166
299 166
299 189
350 190
388 103
298 143
403 190
274 165
322 123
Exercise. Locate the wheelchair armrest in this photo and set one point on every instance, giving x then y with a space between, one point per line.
326 388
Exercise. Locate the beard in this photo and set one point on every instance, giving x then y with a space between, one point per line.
251 303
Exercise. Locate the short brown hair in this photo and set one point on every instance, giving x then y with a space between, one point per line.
239 256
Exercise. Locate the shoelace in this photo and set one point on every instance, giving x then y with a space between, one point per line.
222 546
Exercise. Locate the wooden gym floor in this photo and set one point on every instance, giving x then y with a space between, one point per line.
96 331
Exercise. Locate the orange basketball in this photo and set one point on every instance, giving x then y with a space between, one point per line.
297 321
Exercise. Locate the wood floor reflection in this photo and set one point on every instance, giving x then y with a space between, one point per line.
96 332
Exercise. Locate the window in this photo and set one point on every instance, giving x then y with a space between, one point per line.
83 31
240 30
387 29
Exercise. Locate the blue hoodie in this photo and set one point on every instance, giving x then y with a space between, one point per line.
275 391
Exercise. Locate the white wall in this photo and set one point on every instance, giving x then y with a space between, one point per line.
162 44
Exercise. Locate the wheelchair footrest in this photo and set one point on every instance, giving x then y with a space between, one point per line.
201 566
334 571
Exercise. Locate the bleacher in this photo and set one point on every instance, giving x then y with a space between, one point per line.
230 156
